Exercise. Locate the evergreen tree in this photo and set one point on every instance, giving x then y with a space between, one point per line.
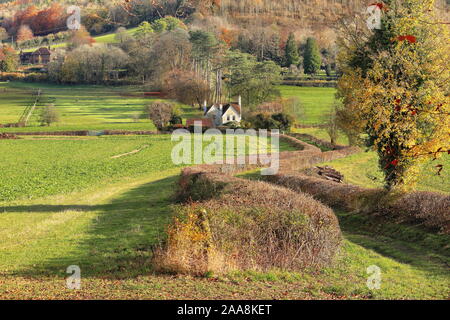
144 29
312 58
292 56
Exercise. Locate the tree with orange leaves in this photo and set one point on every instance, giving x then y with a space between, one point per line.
24 33
81 37
8 59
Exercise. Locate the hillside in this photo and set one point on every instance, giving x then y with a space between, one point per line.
303 13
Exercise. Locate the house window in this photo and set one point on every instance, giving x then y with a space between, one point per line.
234 118
228 118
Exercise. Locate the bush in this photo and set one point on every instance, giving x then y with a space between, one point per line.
425 208
49 115
283 229
176 119
281 121
160 113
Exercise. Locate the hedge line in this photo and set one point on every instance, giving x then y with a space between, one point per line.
227 223
430 209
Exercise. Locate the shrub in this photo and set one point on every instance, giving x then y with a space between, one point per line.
247 225
160 113
281 121
49 115
176 119
427 208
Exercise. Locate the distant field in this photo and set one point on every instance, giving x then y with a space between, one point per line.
322 134
317 102
84 107
106 38
81 107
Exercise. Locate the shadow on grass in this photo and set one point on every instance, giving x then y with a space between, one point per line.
120 240
406 244
42 208
403 243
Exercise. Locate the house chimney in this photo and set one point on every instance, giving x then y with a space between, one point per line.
204 106
240 101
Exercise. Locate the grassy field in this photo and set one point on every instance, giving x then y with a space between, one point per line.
67 201
60 165
362 169
105 38
317 102
81 107
84 107
109 229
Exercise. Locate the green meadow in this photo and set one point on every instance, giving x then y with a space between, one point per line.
81 107
88 107
316 102
103 203
70 203
38 166
362 169
105 38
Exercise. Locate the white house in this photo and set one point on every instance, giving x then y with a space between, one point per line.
224 113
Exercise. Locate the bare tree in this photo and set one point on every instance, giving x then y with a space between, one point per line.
332 127
186 87
49 115
160 113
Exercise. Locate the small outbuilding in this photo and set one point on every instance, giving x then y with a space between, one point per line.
40 56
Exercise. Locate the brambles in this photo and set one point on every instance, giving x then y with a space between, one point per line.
284 229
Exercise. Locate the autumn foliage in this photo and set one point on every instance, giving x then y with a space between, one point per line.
395 86
41 22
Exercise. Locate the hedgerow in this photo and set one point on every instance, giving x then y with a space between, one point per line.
226 223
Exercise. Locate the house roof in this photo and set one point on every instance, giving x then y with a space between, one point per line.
225 107
42 51
205 122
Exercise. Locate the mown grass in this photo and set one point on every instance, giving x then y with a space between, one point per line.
316 102
41 166
89 107
81 107
109 232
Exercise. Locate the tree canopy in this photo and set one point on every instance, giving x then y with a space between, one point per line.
395 86
312 58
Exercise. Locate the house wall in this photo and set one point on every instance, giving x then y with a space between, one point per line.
215 115
231 113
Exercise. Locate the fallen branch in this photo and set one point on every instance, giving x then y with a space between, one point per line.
130 153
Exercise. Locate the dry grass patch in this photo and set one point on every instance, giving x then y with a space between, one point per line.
234 224
430 209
